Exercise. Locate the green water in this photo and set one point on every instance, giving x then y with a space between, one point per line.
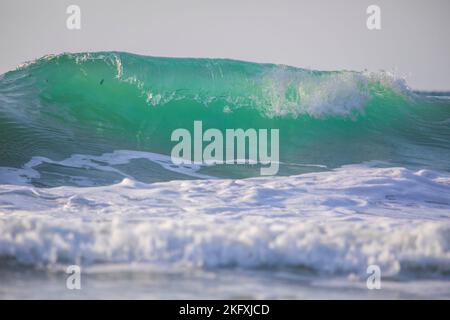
95 103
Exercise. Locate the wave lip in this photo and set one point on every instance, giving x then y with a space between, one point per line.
274 90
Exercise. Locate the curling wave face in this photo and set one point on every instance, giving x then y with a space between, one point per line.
97 103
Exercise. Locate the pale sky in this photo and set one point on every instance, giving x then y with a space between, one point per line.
317 34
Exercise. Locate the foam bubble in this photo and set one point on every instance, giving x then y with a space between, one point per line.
333 222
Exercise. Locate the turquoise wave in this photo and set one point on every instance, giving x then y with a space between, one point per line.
95 103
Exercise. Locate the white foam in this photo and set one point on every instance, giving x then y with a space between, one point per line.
338 221
104 162
343 93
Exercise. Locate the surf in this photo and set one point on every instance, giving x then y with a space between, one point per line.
92 104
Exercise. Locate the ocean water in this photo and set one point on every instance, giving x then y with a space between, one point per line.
86 178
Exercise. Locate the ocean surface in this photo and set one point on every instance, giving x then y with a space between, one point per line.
86 178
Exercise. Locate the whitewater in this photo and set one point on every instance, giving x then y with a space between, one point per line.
86 178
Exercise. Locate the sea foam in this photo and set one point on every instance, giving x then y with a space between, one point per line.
336 222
